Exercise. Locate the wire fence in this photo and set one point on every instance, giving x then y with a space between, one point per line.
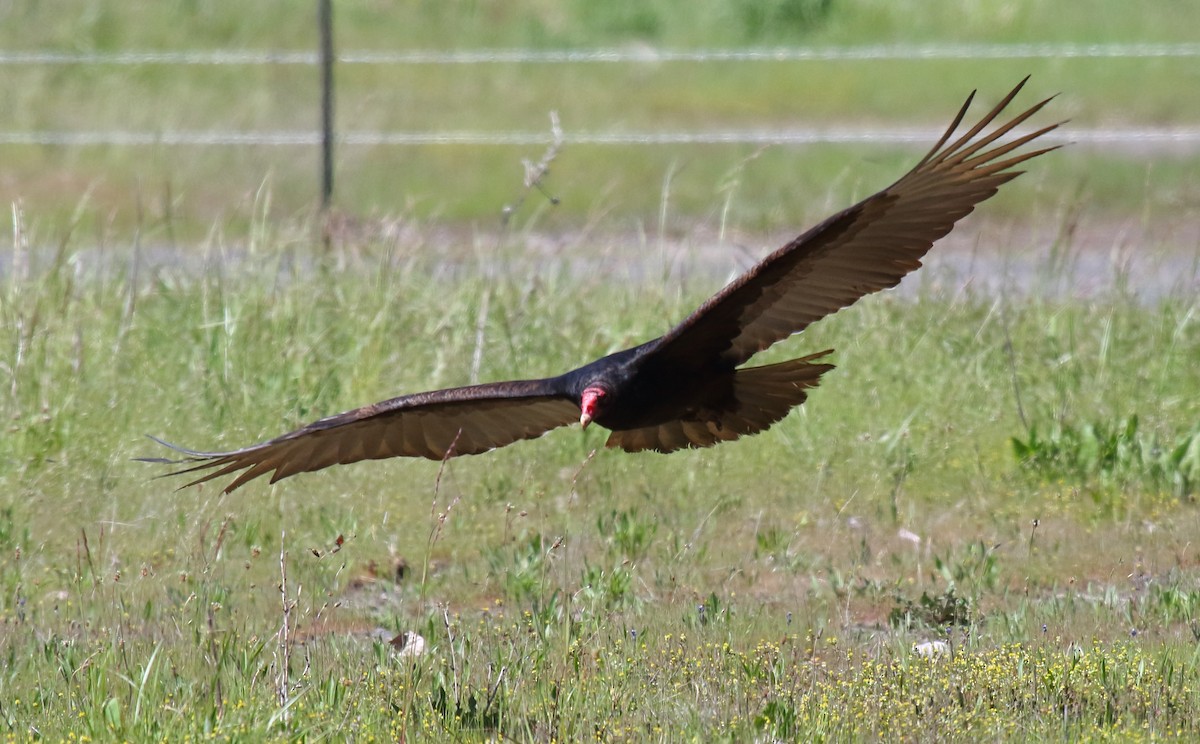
1135 137
630 55
1144 138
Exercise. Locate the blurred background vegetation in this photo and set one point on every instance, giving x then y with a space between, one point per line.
620 186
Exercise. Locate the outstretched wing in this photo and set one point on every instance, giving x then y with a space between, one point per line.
436 425
863 249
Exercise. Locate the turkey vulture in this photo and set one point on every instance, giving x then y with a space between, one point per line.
686 388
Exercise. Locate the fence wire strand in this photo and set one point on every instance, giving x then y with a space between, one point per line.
631 54
1147 138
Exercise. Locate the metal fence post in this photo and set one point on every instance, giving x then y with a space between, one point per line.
325 21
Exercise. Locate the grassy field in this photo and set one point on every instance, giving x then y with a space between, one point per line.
1015 479
981 526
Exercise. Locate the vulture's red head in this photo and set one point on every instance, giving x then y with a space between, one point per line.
590 404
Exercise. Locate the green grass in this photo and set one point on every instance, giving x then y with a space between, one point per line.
196 24
761 588
189 188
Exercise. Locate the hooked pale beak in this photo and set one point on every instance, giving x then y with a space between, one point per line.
588 403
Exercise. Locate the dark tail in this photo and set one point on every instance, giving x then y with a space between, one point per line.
762 396
766 394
